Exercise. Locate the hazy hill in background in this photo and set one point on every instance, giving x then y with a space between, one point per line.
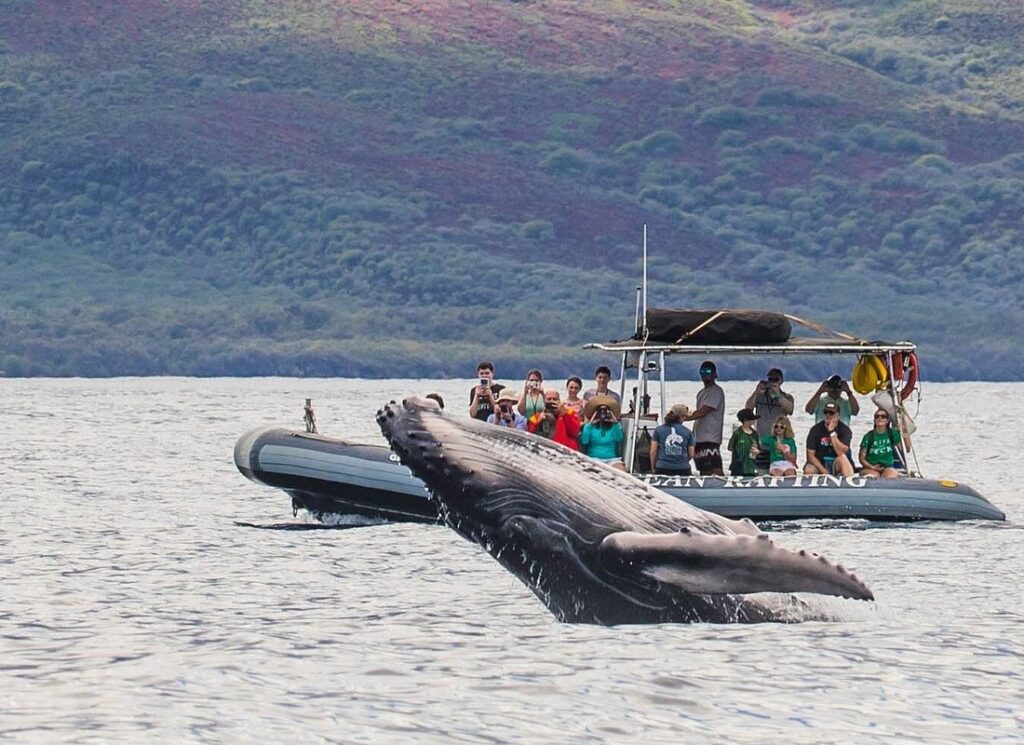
304 187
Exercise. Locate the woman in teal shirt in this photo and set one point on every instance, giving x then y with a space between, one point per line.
602 435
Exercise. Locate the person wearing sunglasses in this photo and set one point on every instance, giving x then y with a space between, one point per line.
879 448
828 445
780 446
709 417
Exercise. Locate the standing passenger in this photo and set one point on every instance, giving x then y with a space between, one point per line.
483 395
769 401
709 417
531 400
602 376
573 402
744 445
831 392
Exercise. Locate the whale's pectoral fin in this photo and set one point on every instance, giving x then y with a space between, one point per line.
706 564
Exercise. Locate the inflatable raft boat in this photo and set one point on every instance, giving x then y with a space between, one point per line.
336 480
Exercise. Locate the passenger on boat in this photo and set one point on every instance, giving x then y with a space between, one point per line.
556 422
506 415
709 417
672 446
483 395
531 400
879 448
780 446
828 445
769 401
602 434
744 445
602 376
831 391
573 386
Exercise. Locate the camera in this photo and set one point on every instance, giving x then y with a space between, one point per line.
551 405
485 382
764 384
604 414
505 408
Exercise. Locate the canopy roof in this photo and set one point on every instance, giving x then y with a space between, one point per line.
736 332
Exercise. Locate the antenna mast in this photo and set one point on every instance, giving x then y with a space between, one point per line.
644 308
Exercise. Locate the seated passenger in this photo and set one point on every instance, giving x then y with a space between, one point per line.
505 415
602 435
828 445
744 445
672 444
879 448
780 446
556 422
602 375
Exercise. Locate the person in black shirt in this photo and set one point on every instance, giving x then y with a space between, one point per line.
483 395
828 445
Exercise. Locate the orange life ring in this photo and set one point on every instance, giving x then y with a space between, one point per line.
913 372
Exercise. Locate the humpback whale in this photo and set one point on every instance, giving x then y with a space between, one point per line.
594 544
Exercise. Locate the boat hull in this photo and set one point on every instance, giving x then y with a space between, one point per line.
331 478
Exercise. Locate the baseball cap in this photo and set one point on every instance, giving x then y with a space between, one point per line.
746 415
707 367
830 408
834 381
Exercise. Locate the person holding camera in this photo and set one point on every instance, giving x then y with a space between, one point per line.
831 391
482 396
557 422
531 400
769 402
506 414
602 435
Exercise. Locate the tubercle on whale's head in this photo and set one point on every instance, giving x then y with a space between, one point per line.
406 426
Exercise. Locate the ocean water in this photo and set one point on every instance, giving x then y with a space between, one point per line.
134 608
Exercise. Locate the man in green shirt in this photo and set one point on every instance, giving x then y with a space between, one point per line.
832 391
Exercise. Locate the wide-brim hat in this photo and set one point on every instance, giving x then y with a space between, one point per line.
597 401
508 395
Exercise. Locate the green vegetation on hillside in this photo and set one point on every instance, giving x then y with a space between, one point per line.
375 189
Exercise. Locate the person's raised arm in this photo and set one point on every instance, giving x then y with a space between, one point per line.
752 398
787 404
854 404
812 402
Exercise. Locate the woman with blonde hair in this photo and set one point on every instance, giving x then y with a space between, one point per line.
781 448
